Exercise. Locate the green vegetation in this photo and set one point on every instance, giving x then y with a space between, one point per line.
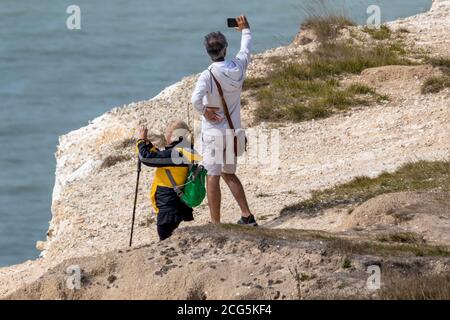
381 33
346 263
327 27
337 58
305 100
262 195
110 161
196 293
416 287
343 245
350 247
244 102
306 276
439 62
403 30
274 234
401 237
419 176
300 91
435 84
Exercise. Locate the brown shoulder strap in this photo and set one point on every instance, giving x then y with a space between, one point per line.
225 107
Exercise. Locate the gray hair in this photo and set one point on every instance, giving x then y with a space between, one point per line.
216 45
178 129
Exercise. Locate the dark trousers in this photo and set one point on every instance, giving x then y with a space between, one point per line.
165 230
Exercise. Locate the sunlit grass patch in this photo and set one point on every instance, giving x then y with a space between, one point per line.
311 89
418 176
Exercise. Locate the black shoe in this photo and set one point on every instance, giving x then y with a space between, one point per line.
248 221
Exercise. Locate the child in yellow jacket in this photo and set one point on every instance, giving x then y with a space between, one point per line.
175 157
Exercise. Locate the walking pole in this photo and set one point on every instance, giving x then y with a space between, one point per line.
135 200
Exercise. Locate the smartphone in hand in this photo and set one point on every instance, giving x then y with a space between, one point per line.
232 23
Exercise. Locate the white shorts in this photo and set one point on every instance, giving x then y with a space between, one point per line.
218 159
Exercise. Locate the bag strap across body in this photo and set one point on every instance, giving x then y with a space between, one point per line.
176 188
224 103
179 188
227 114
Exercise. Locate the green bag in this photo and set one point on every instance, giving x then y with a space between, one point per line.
193 191
195 188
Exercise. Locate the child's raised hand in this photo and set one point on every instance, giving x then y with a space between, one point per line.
142 133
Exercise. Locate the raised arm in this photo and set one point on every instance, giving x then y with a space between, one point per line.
152 157
244 54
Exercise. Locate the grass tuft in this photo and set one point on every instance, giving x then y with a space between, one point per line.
439 62
404 30
401 237
381 33
310 90
327 27
418 176
416 287
351 247
110 161
342 245
435 84
346 263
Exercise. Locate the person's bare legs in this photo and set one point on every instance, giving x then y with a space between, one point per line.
214 197
238 192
